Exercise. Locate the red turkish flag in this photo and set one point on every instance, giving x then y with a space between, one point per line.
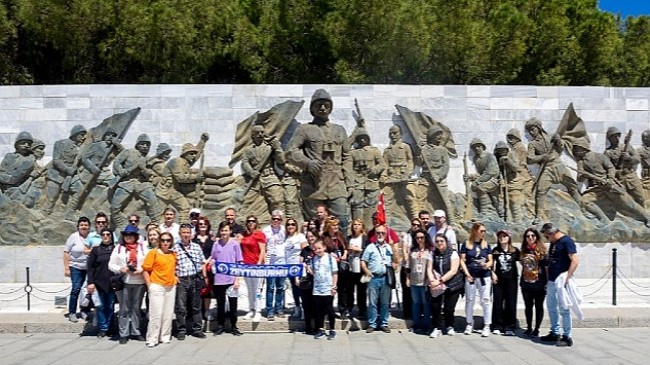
381 209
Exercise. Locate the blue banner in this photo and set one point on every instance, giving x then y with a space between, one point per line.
257 271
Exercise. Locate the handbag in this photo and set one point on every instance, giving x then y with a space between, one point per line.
344 265
390 277
305 283
116 282
437 291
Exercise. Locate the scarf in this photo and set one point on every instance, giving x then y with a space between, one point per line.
132 249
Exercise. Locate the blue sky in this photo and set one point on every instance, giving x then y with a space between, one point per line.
626 7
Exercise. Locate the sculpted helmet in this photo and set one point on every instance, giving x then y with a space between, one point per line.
320 94
37 143
501 146
611 131
582 143
162 148
533 122
476 141
187 148
645 134
435 129
110 130
77 129
24 136
514 132
362 132
143 138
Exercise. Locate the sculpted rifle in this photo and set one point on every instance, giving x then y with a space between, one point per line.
469 206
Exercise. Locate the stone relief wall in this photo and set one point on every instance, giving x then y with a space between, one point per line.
139 153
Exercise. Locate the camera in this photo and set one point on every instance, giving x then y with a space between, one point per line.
131 267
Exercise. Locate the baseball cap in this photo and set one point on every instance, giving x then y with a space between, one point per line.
439 213
503 232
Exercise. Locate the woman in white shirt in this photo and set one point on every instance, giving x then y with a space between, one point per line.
357 242
293 244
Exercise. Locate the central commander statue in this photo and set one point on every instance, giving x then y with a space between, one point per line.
322 151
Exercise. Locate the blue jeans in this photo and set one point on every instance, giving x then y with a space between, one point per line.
555 311
421 307
77 277
379 298
274 286
106 310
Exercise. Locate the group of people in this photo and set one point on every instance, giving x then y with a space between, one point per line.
437 274
173 264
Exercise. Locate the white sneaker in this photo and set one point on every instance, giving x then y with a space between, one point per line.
249 315
257 317
451 331
496 332
468 329
435 333
486 332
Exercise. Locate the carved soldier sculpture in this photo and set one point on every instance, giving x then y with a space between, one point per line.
322 151
523 181
398 158
368 166
486 182
545 151
599 172
61 177
258 167
93 170
183 177
30 191
626 163
17 166
644 156
132 180
435 168
513 199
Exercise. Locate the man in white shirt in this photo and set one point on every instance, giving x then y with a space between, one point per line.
440 226
275 255
169 224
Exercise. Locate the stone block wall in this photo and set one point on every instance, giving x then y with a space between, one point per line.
176 114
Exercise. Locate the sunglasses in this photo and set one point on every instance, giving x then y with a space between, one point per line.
202 224
251 221
530 236
291 224
276 219
165 240
380 233
101 222
415 224
134 220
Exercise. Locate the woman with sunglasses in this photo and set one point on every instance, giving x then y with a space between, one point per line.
127 258
336 245
504 309
253 249
446 262
305 283
293 244
203 237
417 260
357 242
533 279
407 243
99 276
476 262
159 271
